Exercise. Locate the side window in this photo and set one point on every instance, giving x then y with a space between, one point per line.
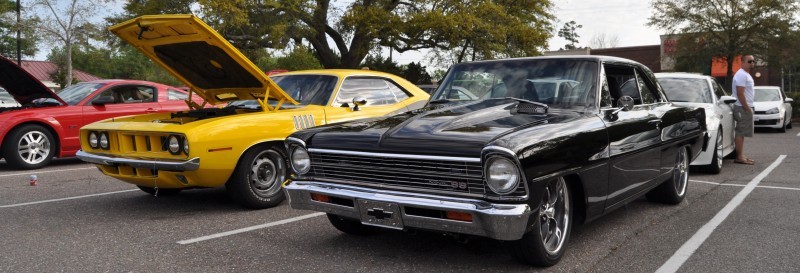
647 93
377 91
718 91
622 82
176 95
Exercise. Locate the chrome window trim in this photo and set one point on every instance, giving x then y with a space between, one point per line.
401 156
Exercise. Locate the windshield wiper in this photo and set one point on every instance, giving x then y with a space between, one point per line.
439 101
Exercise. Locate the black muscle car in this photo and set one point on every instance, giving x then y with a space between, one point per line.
539 145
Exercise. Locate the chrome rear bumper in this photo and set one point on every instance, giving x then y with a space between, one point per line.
497 221
163 165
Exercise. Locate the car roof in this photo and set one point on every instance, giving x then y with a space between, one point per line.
681 75
601 58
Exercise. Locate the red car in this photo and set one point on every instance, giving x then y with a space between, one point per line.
46 124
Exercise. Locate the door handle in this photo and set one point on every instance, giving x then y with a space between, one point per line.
150 110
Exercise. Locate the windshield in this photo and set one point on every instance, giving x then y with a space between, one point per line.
5 96
686 90
307 89
556 82
77 92
767 94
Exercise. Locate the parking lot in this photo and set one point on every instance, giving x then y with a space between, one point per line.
78 220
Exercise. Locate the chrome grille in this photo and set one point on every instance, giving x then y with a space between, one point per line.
452 175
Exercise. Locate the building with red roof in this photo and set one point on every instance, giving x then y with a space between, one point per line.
41 70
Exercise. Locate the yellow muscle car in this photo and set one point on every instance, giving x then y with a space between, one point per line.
240 143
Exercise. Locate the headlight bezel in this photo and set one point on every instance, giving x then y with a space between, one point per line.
93 140
299 169
107 145
501 185
176 148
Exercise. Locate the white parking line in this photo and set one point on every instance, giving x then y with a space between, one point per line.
39 172
798 134
241 230
738 185
687 249
63 199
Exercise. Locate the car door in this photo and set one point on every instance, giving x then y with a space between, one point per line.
634 135
725 110
382 96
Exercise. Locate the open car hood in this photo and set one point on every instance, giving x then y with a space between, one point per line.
21 85
198 56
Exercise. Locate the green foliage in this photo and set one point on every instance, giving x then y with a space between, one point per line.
416 73
300 58
378 63
726 28
570 33
8 32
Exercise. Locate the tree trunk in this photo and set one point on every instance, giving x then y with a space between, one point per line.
68 64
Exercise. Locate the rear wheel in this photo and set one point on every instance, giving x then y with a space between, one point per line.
256 180
29 147
160 191
546 243
716 160
674 190
351 226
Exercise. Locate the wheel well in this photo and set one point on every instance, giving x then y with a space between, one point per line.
579 197
56 136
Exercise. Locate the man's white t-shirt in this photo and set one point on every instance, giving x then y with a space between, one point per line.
742 78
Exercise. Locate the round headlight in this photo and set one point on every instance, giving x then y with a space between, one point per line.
174 145
186 146
104 140
93 140
502 175
301 161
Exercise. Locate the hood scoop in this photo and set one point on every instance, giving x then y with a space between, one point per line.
530 107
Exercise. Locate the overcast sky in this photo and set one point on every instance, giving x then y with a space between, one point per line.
624 19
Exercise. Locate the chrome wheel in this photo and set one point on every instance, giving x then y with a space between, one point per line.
719 151
33 147
554 216
680 175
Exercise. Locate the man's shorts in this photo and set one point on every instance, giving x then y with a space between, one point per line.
744 121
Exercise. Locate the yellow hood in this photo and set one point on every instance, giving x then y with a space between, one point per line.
197 55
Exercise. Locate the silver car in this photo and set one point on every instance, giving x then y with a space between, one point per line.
685 89
773 108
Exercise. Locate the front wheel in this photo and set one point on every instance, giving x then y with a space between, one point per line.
674 190
546 243
256 180
715 166
29 147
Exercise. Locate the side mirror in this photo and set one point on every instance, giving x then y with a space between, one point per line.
789 100
727 99
103 100
625 103
358 101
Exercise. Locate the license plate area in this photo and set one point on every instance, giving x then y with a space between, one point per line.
382 214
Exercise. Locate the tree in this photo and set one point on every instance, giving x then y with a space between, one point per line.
68 24
601 41
570 33
8 32
724 28
416 73
342 35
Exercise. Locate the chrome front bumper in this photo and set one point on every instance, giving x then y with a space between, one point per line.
162 165
497 221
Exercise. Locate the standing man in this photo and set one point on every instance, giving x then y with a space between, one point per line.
743 109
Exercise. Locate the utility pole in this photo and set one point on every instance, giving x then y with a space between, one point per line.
19 45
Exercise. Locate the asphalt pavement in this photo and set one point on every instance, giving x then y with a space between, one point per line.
77 220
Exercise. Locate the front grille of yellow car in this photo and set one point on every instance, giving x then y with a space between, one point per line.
129 171
144 143
427 174
303 122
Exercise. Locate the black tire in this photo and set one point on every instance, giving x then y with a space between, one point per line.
29 147
715 166
256 180
547 242
351 226
789 126
673 191
783 128
160 191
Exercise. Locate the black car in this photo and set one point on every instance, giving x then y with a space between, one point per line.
545 143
